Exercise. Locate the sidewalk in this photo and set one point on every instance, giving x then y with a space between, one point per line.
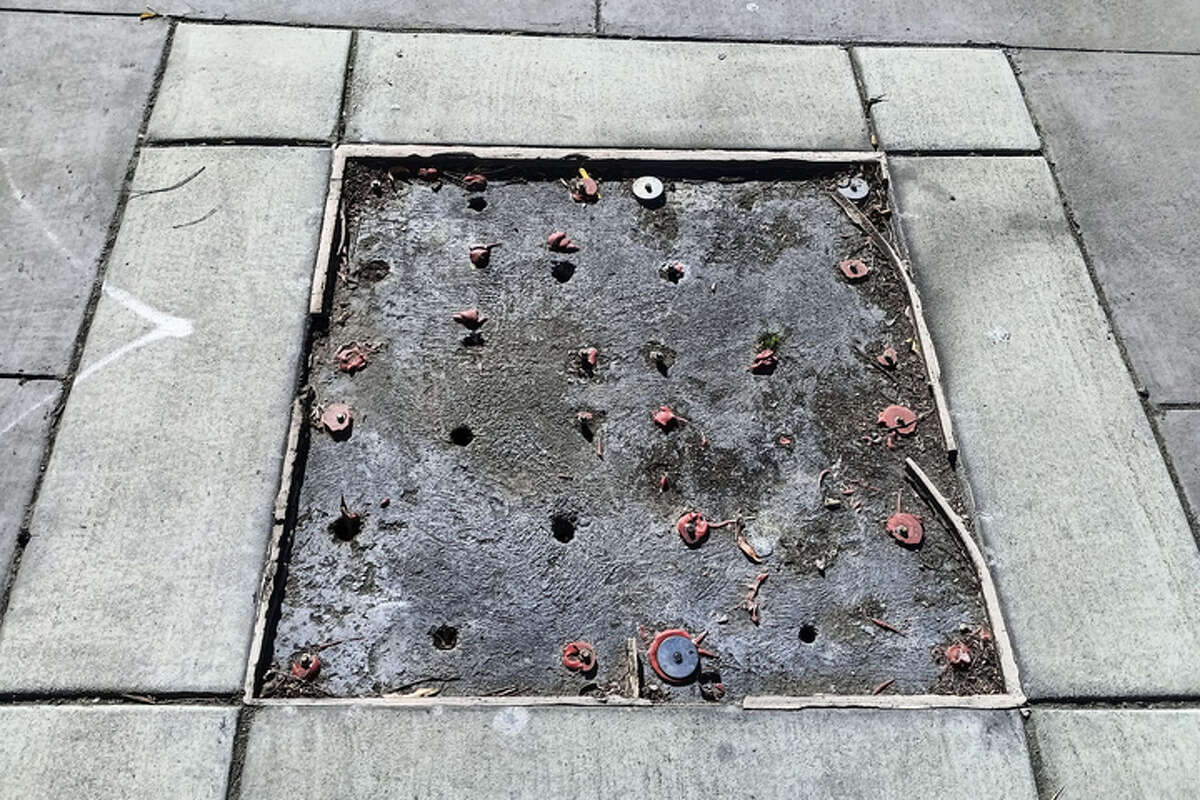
165 181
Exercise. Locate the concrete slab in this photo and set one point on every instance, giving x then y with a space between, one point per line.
72 95
520 752
943 98
148 538
1092 556
25 410
251 82
1098 25
1182 432
431 88
1113 126
549 16
133 753
1118 755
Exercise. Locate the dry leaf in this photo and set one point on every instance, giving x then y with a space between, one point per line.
747 548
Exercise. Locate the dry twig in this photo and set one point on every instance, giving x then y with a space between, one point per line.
142 192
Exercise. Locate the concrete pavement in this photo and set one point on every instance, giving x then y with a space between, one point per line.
150 526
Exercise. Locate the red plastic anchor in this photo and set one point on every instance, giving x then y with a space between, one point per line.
765 362
904 527
337 418
306 666
693 527
585 189
672 271
659 638
470 318
898 419
579 656
667 419
855 269
559 242
351 357
959 655
481 254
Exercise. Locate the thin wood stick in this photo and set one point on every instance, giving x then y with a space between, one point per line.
932 368
1008 663
333 231
630 685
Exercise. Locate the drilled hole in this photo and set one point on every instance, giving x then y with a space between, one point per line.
562 271
346 528
562 526
445 637
375 270
808 634
462 435
477 203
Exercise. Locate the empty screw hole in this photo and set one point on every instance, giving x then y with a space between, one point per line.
562 527
477 203
375 270
562 271
462 435
808 634
445 637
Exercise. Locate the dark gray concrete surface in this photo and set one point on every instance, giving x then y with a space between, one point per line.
466 539
1117 130
73 90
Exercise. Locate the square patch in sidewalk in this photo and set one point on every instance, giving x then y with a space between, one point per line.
537 421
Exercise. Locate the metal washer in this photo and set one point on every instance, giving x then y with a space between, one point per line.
854 189
677 657
648 189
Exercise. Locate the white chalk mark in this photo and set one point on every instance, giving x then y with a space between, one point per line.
33 211
166 326
22 416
